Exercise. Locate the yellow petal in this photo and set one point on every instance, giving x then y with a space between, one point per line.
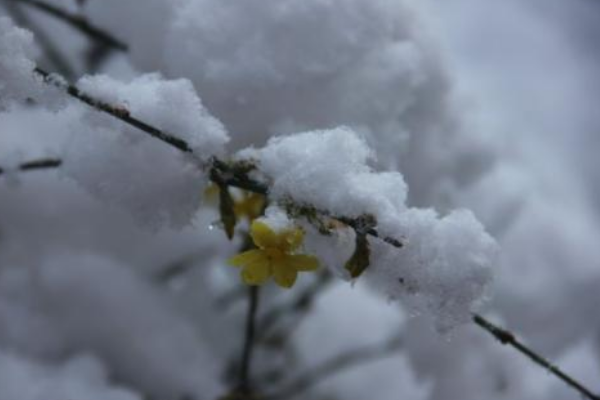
285 276
256 273
302 262
248 257
291 240
250 206
263 236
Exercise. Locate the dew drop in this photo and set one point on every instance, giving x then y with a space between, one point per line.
217 224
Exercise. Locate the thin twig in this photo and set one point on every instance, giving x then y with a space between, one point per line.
335 365
249 342
300 303
77 22
50 51
37 164
176 268
114 111
507 338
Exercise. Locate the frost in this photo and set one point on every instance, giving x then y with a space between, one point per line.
444 267
123 166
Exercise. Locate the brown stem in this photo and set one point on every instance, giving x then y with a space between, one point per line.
37 164
247 351
77 22
508 338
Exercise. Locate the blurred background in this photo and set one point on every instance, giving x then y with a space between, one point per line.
491 106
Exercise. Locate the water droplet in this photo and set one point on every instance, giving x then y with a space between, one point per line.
217 224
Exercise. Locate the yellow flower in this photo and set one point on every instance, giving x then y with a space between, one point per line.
250 205
246 204
274 256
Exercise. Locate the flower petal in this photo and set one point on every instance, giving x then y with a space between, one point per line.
248 257
302 262
285 276
291 240
263 236
256 273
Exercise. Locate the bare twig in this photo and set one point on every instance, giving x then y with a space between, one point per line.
335 365
50 51
77 22
115 112
507 338
249 342
37 164
301 302
176 268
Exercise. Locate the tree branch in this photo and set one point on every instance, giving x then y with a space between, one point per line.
301 302
114 111
37 164
508 338
246 360
77 22
50 51
335 365
220 171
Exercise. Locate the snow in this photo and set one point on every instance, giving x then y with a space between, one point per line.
82 377
125 167
121 318
446 264
17 50
444 269
328 170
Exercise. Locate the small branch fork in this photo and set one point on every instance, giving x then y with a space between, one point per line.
223 172
78 22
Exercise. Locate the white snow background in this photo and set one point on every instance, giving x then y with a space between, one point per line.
480 105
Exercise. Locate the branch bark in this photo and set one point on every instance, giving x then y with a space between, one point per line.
78 22
508 338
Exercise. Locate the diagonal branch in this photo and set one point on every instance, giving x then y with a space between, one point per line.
114 111
508 338
78 22
220 171
44 163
